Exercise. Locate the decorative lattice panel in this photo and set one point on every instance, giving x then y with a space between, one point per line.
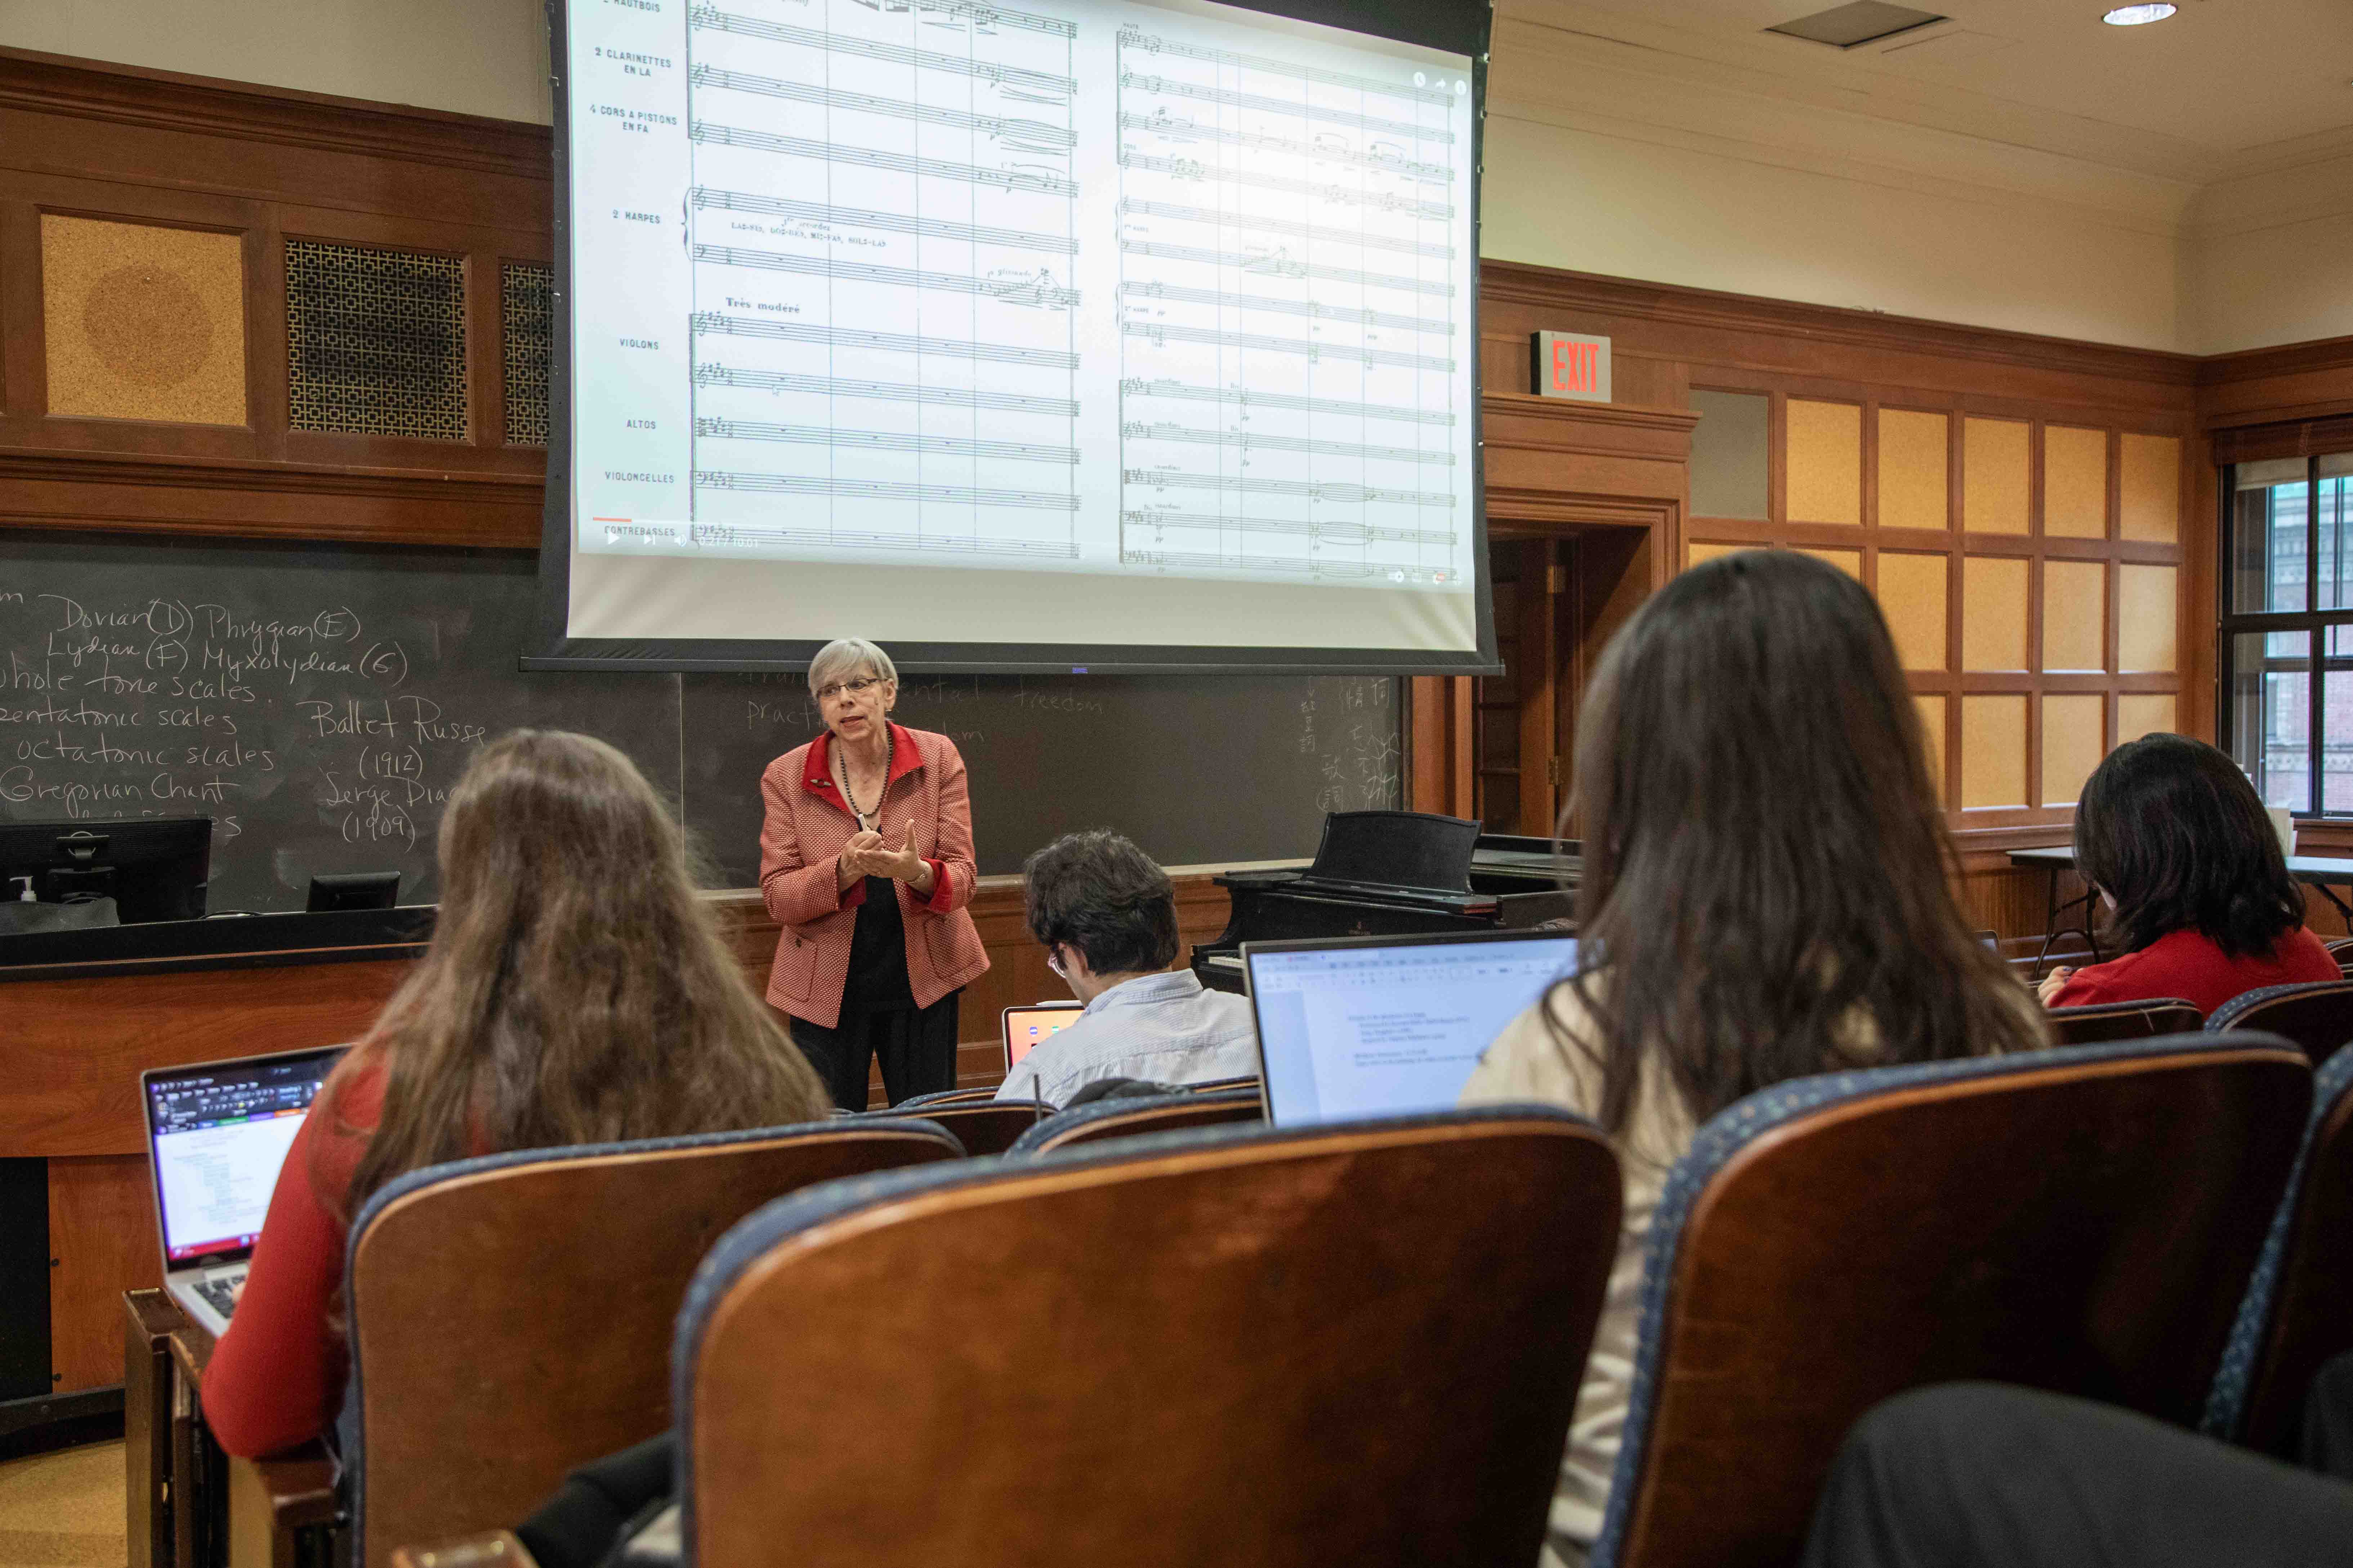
375 340
526 307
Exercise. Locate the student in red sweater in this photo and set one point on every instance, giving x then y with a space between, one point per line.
576 990
2179 845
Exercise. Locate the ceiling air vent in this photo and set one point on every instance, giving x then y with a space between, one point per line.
1863 22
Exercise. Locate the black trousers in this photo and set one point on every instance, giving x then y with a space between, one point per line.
1977 1475
916 1048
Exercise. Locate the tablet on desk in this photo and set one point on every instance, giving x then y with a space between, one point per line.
1026 1028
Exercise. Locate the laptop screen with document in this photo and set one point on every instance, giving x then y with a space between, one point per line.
217 1134
1353 1028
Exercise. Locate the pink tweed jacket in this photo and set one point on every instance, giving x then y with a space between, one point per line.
807 824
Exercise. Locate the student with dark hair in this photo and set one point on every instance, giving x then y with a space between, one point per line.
577 990
1767 894
1107 918
2179 845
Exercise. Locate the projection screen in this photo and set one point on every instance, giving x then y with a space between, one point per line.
1067 334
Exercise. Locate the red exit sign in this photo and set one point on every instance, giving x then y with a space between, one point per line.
1571 364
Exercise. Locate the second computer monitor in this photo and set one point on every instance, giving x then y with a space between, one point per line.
1358 1027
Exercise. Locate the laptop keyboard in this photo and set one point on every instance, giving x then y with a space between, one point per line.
221 1292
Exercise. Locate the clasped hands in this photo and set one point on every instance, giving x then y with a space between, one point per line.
868 854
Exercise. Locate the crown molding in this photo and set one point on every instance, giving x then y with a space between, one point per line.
1521 282
49 84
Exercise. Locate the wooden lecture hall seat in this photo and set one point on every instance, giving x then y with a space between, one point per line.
2317 1015
2105 1021
2299 1308
1127 1118
1230 1345
511 1315
2083 1220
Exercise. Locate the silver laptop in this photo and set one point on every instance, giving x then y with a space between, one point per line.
217 1134
1359 1027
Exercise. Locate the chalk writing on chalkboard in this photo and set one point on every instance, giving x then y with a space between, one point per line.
320 705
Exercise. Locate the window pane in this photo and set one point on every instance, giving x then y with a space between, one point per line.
2337 739
2334 589
2271 717
2267 564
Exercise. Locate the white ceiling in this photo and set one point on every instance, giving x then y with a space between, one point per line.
2222 88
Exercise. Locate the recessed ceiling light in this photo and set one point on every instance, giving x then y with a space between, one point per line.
2134 16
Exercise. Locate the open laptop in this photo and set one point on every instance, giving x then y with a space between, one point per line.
1388 1025
216 1133
1026 1028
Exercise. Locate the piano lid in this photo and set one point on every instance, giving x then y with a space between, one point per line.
1398 848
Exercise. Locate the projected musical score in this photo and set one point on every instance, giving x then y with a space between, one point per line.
1084 283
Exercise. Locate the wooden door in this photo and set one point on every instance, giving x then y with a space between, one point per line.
1519 729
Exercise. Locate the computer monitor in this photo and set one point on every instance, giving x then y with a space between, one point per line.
1360 1026
353 890
153 867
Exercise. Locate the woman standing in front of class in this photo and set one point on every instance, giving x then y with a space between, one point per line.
866 859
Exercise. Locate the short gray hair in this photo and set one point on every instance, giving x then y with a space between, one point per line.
844 658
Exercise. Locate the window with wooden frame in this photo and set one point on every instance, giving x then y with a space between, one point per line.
2287 608
2030 566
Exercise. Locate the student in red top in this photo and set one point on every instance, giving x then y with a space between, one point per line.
2174 838
576 990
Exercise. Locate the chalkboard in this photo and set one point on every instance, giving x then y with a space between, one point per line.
319 701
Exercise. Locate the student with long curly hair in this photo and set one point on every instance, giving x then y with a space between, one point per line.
1765 895
576 990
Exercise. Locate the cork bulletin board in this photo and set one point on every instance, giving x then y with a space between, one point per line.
143 321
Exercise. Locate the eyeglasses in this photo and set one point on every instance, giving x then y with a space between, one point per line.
858 687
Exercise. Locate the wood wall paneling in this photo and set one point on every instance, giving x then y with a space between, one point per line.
1912 597
103 1241
1997 475
176 154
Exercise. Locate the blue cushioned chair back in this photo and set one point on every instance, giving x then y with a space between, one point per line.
2080 1219
1131 1116
2318 1015
2298 1310
1354 1344
509 1314
988 1127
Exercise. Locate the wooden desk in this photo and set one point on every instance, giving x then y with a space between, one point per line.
190 1506
78 1032
2323 873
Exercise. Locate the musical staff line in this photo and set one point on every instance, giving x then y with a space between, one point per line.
883 441
1219 559
1131 37
1354 495
1250 442
1237 396
1334 533
894 343
1161 334
885 390
1173 88
1194 169
1058 88
750 538
1281 227
1037 290
1029 135
890 223
1163 124
880 489
1224 302
981 14
874 158
1281 266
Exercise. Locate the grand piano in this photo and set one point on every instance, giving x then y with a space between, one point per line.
1394 873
